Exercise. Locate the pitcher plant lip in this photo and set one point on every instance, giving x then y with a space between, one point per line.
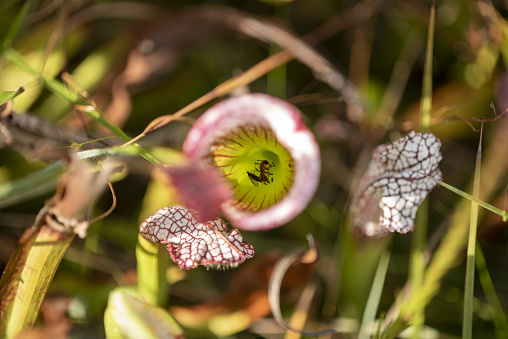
399 177
286 158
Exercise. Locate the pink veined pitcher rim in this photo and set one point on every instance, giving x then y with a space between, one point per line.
286 123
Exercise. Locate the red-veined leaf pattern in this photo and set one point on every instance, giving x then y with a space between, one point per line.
212 244
398 179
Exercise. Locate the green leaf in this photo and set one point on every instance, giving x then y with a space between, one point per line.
32 185
45 179
5 96
27 277
129 316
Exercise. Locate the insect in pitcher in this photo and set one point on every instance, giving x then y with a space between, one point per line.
261 173
254 178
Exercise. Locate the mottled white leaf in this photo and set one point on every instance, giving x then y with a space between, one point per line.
191 243
396 183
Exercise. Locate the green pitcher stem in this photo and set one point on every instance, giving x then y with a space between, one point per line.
152 260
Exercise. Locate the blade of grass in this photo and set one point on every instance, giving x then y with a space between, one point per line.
63 91
417 264
398 80
474 199
44 180
490 293
467 326
53 85
372 305
32 185
74 98
276 79
426 102
15 26
132 150
451 248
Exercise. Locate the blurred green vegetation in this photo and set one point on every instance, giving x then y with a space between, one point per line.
139 60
